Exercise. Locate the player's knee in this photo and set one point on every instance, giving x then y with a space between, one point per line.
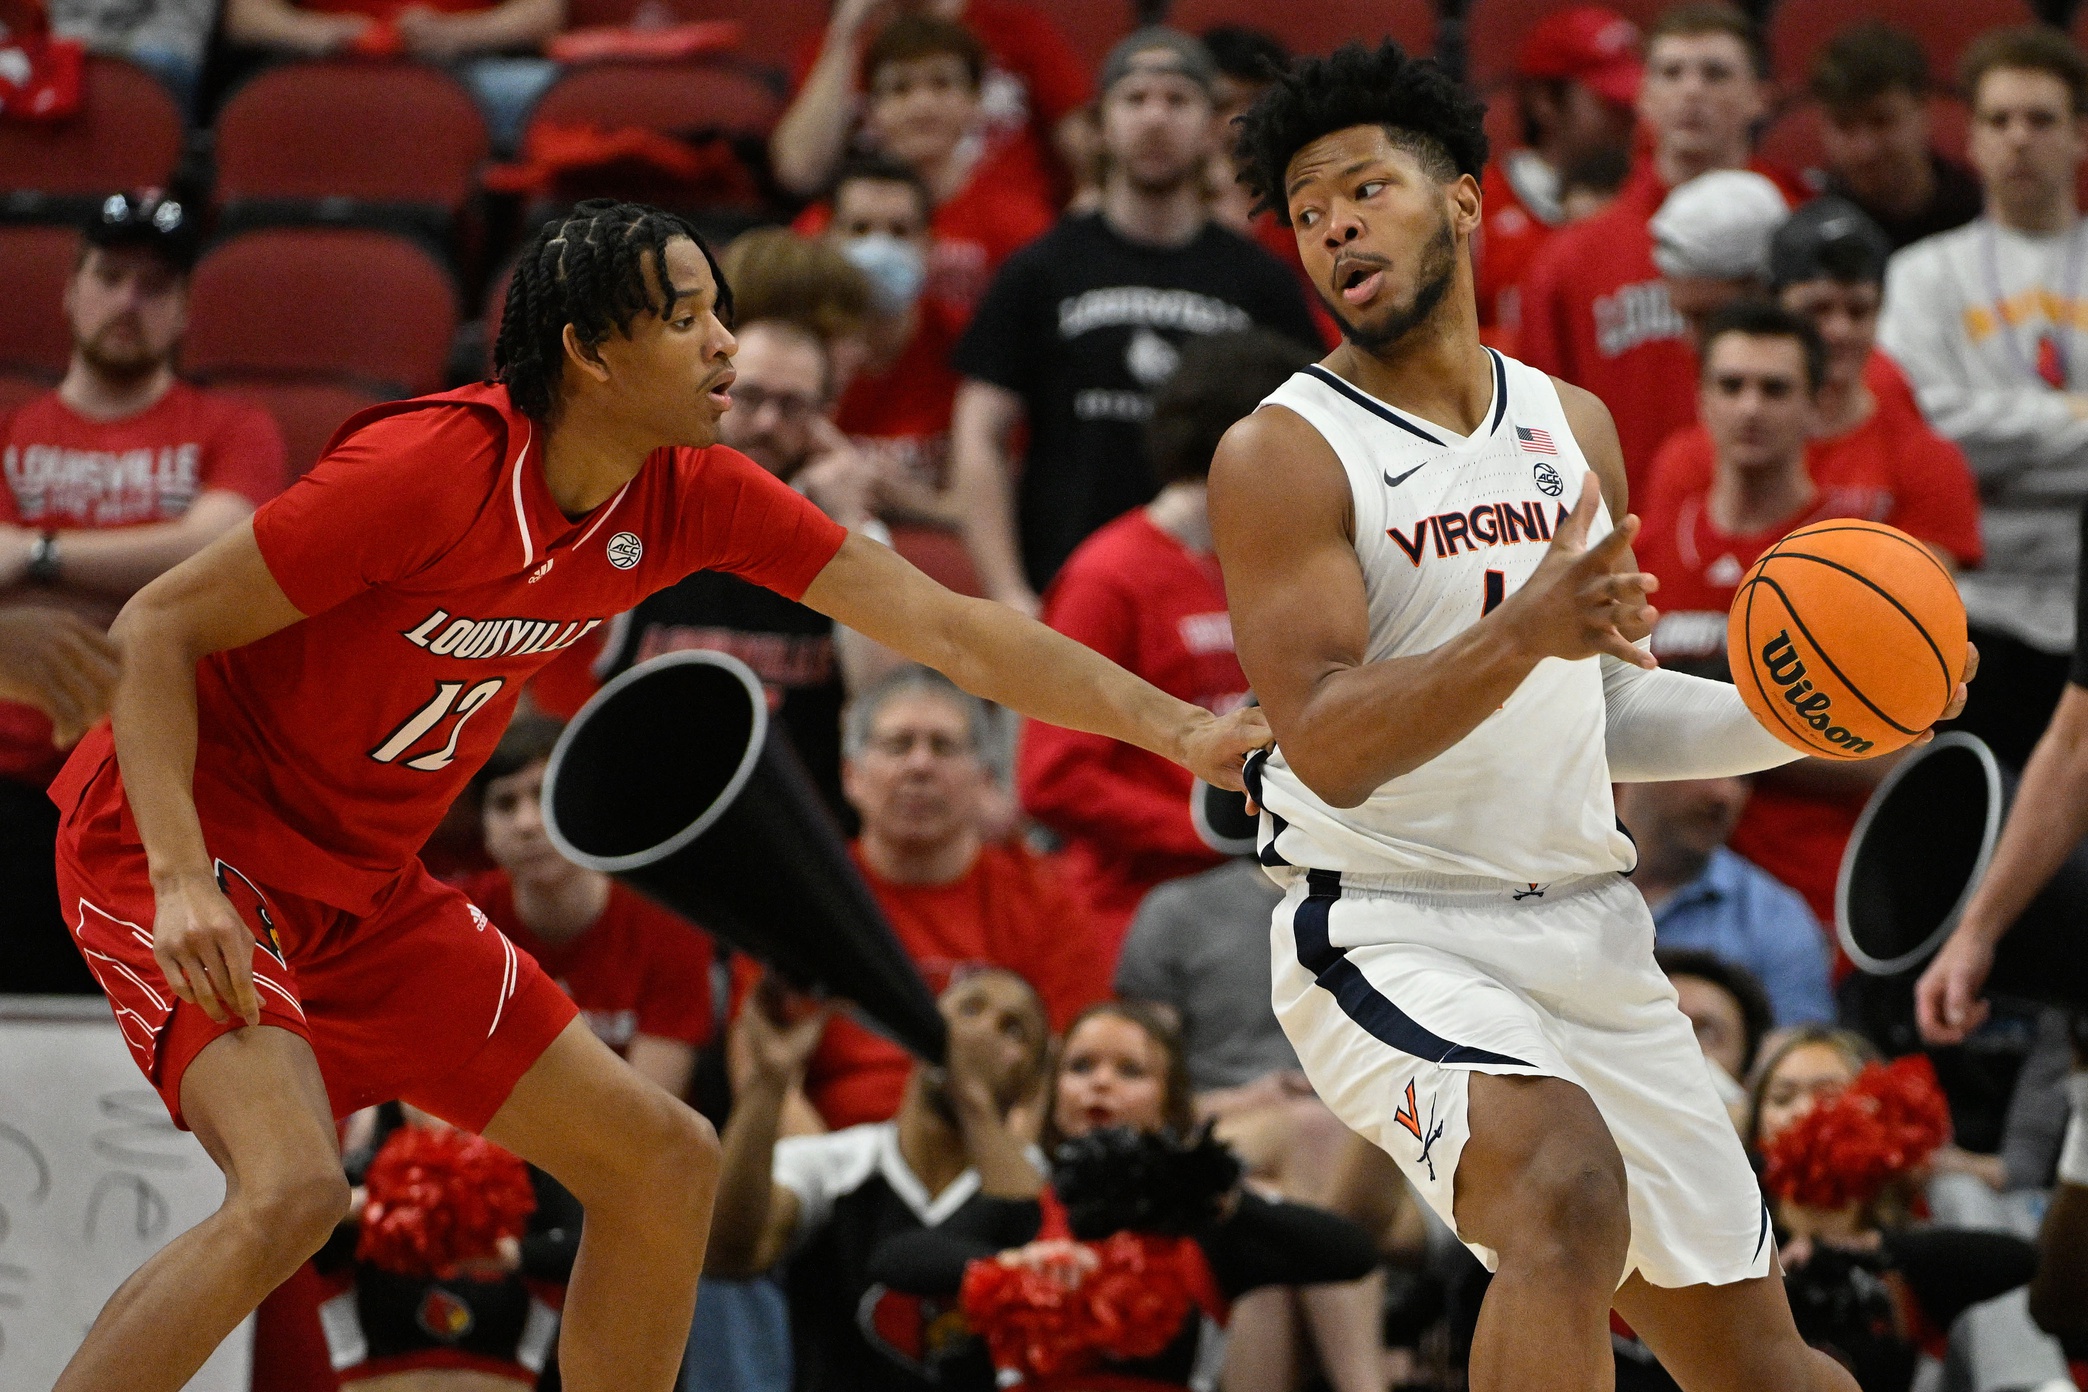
291 1215
1572 1208
679 1152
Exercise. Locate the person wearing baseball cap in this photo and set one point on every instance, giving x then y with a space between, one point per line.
1577 76
1872 455
1081 326
115 475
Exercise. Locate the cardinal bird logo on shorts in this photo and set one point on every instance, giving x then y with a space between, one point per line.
247 901
443 1316
1409 1116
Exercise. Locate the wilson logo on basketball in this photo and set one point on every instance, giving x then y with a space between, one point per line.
1780 661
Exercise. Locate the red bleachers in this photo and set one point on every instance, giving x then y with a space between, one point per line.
661 97
35 263
307 410
127 135
1319 26
1798 29
1090 27
1495 29
301 301
375 133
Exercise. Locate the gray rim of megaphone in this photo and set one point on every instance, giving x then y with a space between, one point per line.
1202 825
757 700
1875 966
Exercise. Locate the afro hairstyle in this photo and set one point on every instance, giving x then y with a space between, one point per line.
1423 109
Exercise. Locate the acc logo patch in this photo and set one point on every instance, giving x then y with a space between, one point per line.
1548 481
625 550
442 1316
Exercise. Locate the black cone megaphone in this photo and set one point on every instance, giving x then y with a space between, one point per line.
1922 846
1219 818
674 779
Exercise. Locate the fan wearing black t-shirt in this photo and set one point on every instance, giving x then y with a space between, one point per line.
1081 325
779 420
820 1206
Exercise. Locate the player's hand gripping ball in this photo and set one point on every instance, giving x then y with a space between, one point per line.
1847 639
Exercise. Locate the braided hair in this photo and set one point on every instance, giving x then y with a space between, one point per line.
586 269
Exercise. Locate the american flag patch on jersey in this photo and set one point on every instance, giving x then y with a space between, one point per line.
1536 441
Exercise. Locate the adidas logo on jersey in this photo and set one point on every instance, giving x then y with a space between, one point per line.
1489 524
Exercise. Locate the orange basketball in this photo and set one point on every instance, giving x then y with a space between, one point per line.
1847 639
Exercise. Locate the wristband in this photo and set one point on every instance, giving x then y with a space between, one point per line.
2073 1153
43 559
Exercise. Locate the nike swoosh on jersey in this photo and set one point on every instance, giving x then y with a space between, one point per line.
1394 480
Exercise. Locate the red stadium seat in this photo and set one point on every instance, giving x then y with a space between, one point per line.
307 410
35 263
297 301
1798 29
1090 27
19 387
778 31
1495 29
1320 26
127 135
662 97
376 133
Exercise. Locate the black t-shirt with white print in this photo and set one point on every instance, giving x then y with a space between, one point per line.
1083 324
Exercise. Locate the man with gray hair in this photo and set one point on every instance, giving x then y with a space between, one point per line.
916 769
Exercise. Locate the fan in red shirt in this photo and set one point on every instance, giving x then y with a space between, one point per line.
926 115
1595 310
1577 79
639 973
1766 479
118 474
1032 96
1145 592
302 701
916 774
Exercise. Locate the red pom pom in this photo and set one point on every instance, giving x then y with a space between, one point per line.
1849 1147
1042 1323
438 1197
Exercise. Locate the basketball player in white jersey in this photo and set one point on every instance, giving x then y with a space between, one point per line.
1440 618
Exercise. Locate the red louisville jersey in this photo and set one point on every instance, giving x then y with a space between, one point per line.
437 574
1142 599
1891 467
1595 313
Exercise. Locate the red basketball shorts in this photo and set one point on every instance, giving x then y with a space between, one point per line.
421 999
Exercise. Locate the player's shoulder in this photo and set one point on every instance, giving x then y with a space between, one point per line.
441 440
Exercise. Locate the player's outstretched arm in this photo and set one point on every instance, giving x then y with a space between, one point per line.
994 652
2048 820
1283 522
221 597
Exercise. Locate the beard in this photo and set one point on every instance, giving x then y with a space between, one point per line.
1432 277
119 366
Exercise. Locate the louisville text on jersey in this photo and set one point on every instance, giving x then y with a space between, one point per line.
445 636
1489 524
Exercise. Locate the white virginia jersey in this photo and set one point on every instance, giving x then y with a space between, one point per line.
1446 528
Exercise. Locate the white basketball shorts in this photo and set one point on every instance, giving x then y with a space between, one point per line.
1394 991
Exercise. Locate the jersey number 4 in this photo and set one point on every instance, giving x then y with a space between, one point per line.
451 700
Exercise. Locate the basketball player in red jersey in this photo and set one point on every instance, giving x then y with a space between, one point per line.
302 700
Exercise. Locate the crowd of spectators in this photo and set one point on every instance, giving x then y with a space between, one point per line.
999 312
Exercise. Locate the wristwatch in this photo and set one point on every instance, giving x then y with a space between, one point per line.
43 559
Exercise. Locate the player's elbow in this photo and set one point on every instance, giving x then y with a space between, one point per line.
1333 780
